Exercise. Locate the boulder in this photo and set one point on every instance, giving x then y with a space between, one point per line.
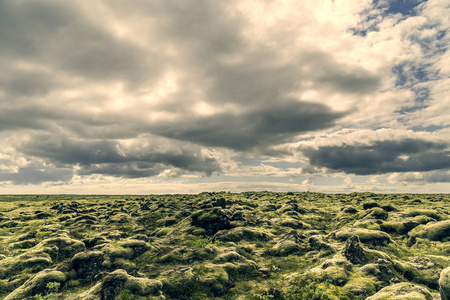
444 284
143 286
37 284
381 269
212 220
377 213
366 236
87 264
402 291
66 246
353 251
112 284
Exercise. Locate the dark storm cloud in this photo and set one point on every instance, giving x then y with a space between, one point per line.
408 155
61 38
112 158
38 174
258 127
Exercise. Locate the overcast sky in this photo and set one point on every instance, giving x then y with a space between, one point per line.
185 96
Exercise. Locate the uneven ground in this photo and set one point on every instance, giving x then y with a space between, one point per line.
253 245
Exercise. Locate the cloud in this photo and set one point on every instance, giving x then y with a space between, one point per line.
407 155
258 126
142 157
37 175
437 176
168 88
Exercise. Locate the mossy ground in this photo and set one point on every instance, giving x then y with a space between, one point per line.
252 245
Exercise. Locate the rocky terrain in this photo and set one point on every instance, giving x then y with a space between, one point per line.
253 245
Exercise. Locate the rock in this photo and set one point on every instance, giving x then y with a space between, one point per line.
317 242
228 257
94 241
429 268
66 246
444 284
112 284
353 251
366 236
212 220
242 234
402 291
438 231
138 246
349 210
381 269
43 215
120 218
24 244
368 205
27 236
143 286
422 212
337 270
178 281
411 241
87 264
216 279
37 284
377 213
291 223
360 287
389 208
284 248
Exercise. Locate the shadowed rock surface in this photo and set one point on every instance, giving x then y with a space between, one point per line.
252 245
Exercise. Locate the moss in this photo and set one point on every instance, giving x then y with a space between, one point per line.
335 271
438 231
242 234
143 286
377 213
422 212
444 284
367 236
250 258
37 284
360 287
215 278
402 291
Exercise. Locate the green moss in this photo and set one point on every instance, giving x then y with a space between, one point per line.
402 291
360 287
367 236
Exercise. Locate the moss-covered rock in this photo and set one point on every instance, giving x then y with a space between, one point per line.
360 287
37 284
66 246
87 264
366 236
242 234
212 220
402 291
438 231
143 286
353 251
335 270
377 213
180 281
444 284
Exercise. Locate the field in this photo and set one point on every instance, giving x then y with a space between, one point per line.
252 245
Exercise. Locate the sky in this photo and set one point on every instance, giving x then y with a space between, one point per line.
186 96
